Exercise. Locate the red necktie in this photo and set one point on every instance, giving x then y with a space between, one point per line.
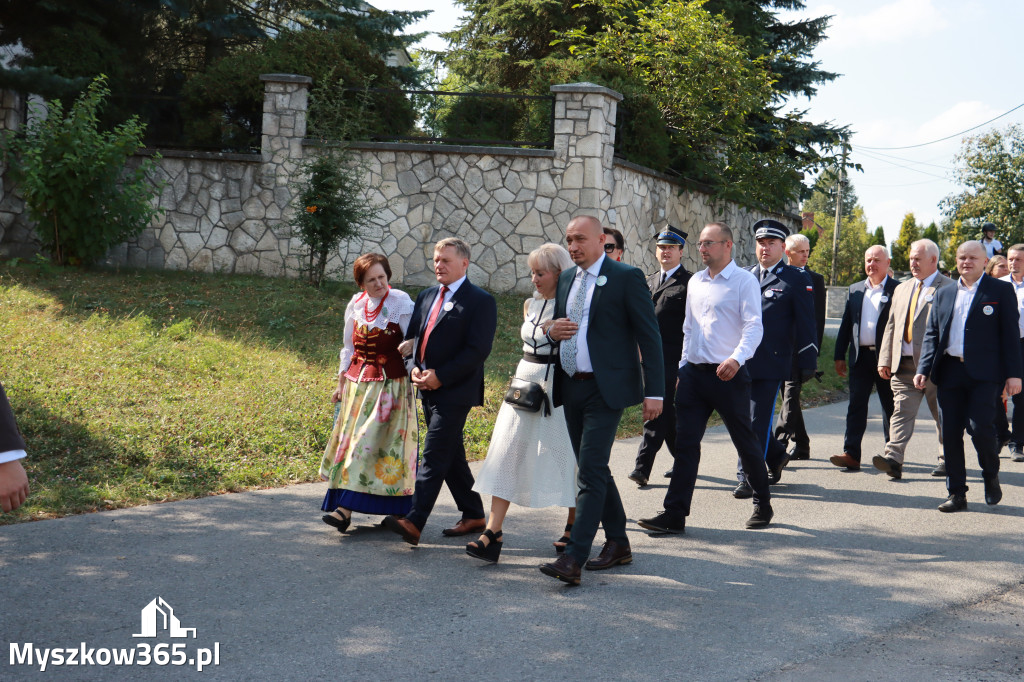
434 312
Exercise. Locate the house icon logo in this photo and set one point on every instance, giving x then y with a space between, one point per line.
157 615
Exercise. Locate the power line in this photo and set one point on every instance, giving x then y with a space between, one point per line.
916 163
900 165
948 137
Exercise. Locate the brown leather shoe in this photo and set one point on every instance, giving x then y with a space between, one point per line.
564 568
844 460
465 527
612 554
409 532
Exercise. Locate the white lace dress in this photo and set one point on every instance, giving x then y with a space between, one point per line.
530 459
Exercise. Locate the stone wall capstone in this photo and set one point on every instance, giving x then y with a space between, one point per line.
230 212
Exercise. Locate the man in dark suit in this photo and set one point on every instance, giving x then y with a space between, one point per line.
452 329
603 317
971 352
787 317
860 333
13 480
791 427
668 291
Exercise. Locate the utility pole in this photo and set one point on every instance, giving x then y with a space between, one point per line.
839 212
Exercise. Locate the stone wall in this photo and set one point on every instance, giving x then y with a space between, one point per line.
229 213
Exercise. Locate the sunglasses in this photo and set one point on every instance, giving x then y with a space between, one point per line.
608 248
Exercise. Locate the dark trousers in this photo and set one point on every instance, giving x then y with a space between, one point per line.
763 394
863 375
699 393
1003 432
791 427
966 403
663 429
443 460
592 426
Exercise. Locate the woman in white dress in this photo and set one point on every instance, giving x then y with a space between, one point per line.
530 459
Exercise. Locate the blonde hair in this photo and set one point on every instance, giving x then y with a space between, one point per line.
549 257
461 247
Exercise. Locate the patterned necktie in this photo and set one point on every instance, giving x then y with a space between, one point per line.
434 312
568 353
908 328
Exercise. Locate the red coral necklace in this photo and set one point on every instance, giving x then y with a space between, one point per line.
371 315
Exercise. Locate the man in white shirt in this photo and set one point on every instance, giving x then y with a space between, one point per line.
1015 261
900 352
860 333
971 353
13 480
721 332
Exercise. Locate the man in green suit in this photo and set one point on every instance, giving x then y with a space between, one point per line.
604 323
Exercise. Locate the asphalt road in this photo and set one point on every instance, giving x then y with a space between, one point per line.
858 578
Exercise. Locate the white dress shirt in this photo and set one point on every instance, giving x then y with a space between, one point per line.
870 309
1019 290
991 246
583 362
11 455
964 298
908 348
665 274
723 317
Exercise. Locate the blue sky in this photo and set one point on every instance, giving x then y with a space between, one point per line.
913 71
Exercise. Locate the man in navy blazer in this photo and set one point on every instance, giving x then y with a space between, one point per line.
860 332
787 317
452 329
971 352
609 358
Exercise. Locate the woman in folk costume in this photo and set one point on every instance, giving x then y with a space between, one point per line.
370 461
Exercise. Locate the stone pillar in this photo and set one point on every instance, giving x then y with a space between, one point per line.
584 146
12 206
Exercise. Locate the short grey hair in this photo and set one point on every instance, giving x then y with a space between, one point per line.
794 239
550 257
461 247
930 247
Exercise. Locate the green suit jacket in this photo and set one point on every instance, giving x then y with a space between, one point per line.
622 329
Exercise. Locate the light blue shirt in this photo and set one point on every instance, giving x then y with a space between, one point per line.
964 298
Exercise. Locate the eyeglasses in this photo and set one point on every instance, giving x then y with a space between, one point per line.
608 248
709 244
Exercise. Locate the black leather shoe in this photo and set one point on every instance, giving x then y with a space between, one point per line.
564 568
775 472
612 554
940 471
954 503
663 523
796 453
993 493
889 465
638 477
761 517
743 491
341 522
668 474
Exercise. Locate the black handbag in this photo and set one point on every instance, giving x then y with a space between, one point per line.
528 396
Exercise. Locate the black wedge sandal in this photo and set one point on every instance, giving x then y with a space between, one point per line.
489 552
561 542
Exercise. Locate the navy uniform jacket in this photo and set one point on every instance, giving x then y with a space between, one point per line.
848 337
787 315
991 335
670 306
458 345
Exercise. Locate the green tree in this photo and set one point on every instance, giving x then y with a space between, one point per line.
822 201
952 237
878 238
854 240
932 232
75 181
990 168
910 232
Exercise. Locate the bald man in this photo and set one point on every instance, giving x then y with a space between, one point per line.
860 335
971 352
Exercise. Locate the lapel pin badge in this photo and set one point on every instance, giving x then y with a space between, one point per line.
601 280
988 310
448 306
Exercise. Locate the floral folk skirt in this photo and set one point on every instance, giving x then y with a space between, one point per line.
371 457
